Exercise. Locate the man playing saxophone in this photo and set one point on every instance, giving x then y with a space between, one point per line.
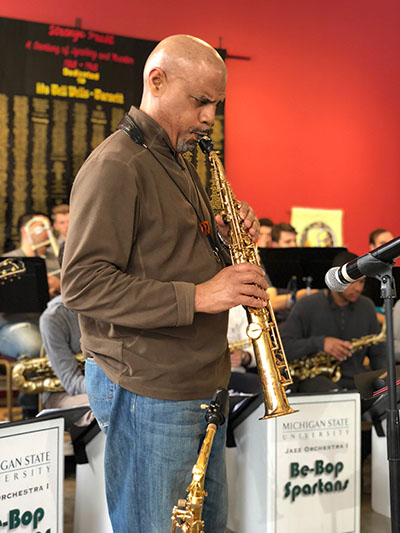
328 322
153 311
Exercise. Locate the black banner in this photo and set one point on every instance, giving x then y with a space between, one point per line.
62 91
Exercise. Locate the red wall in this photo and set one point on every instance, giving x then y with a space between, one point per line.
312 119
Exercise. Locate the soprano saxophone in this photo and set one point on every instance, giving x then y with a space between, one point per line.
262 329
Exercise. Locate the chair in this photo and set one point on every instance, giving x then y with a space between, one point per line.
7 363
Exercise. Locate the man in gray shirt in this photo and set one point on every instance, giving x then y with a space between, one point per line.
61 335
328 321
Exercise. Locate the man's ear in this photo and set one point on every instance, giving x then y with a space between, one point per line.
157 81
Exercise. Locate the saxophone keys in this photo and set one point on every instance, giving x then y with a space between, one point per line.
254 331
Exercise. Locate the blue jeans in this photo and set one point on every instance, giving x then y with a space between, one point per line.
151 448
20 338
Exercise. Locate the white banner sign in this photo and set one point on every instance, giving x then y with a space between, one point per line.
317 465
299 472
31 477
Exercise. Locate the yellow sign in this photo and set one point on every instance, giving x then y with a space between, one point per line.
317 227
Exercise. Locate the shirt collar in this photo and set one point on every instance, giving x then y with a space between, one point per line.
334 306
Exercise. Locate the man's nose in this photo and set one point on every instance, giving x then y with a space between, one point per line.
207 114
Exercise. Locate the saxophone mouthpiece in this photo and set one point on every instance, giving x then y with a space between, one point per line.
206 144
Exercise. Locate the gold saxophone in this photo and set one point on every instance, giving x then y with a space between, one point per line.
36 375
187 514
324 364
262 329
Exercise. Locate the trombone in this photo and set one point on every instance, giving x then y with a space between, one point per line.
43 227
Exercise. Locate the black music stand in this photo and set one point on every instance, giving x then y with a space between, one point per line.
28 292
308 265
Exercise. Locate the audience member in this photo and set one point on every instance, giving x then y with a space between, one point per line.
264 238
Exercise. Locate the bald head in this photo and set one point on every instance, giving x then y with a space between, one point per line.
181 55
183 81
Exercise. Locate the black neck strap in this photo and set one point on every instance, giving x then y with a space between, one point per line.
128 126
131 129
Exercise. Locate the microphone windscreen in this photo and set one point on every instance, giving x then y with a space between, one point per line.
332 281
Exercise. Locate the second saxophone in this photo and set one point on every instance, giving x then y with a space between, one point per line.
262 329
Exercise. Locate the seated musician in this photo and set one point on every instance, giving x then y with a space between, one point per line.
378 237
35 240
59 328
61 335
329 321
283 235
264 237
60 218
19 333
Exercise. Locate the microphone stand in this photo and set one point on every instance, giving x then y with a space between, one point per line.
383 272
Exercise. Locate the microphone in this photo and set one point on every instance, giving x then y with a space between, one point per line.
339 278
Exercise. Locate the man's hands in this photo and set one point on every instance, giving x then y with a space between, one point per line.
249 219
242 284
339 349
240 358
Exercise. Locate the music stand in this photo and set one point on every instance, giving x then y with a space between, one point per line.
28 292
309 265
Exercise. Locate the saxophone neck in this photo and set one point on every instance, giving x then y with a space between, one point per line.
369 340
196 492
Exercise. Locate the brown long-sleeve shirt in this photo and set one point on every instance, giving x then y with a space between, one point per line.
133 255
